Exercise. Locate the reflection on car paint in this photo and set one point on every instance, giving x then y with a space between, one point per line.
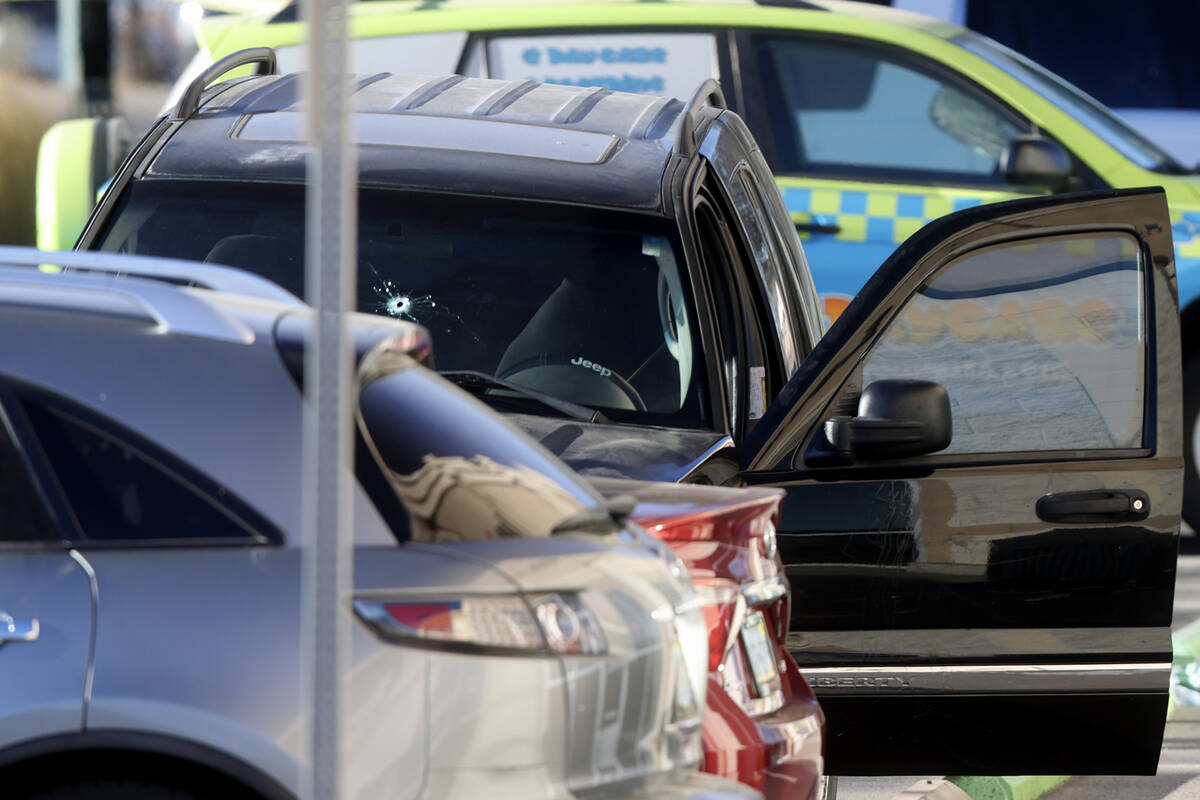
455 499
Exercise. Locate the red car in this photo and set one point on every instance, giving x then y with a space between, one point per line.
763 726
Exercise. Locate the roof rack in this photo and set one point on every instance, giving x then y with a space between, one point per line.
263 57
708 94
167 270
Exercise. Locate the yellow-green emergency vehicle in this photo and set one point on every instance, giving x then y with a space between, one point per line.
874 120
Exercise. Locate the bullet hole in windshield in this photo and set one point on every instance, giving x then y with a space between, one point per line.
392 301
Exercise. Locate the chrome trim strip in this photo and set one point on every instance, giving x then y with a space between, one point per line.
979 642
991 679
94 590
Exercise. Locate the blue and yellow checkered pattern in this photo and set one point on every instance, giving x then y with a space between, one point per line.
871 216
891 217
1185 230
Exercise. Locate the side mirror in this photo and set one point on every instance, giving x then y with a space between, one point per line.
895 418
75 159
1032 160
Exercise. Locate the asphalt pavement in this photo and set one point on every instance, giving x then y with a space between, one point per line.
1178 775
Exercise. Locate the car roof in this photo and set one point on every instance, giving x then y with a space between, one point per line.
442 15
519 139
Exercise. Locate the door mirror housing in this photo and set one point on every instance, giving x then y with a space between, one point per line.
1032 160
895 418
76 158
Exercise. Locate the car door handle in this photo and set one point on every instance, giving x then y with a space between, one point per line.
1098 505
18 630
816 223
818 227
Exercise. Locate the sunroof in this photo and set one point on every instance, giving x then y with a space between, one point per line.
447 133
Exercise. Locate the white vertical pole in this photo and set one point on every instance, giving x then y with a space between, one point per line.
330 229
70 57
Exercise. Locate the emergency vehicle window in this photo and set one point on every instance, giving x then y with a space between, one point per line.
842 108
1041 346
665 63
413 53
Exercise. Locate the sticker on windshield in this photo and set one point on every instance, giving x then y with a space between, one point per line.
646 63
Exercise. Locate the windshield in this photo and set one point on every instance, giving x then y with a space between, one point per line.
585 305
1085 109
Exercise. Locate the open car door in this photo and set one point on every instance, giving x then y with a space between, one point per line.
983 469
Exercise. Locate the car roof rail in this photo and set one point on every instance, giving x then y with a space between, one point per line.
262 57
708 94
162 307
176 272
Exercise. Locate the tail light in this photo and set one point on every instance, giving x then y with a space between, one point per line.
727 539
724 610
553 623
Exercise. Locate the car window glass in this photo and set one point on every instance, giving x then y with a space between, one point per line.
23 516
1040 345
765 373
119 493
587 305
771 255
727 260
881 115
668 63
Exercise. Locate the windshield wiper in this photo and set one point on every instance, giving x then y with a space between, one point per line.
479 382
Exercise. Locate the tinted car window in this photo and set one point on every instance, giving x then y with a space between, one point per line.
23 516
882 114
119 492
1040 346
586 305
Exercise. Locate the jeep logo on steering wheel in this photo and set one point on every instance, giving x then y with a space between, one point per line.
579 361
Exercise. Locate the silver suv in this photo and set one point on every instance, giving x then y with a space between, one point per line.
149 582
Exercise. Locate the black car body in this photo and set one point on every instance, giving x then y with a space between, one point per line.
981 456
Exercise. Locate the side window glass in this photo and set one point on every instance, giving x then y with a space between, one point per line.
23 517
881 115
119 492
771 256
1040 345
728 263
667 63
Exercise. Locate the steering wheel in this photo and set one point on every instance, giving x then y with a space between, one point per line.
576 363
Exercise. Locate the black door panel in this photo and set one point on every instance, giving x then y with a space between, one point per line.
1001 606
